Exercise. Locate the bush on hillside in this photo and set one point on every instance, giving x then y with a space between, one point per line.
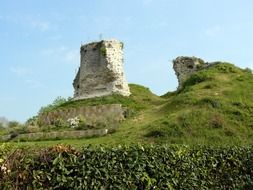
57 102
197 78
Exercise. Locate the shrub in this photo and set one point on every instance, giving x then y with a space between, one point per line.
162 128
197 78
33 121
57 102
210 86
248 70
103 51
134 167
61 123
73 122
213 102
32 129
13 124
216 121
155 134
78 123
226 68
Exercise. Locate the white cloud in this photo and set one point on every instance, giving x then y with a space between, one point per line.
20 71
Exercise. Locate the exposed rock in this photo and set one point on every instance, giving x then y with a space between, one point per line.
185 66
101 71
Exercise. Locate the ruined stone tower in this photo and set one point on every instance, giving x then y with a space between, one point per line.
101 70
185 66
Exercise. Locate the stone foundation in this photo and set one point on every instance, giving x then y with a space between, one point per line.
112 114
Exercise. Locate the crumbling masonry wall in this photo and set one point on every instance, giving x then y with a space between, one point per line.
186 66
107 114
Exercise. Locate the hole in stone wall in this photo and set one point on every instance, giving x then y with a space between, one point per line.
119 86
190 66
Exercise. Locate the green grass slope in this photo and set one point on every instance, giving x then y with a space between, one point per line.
141 98
215 106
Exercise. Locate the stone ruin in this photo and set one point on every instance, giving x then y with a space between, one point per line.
101 70
101 73
186 66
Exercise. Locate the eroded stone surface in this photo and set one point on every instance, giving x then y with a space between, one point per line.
185 66
101 71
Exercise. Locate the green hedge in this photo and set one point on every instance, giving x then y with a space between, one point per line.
134 167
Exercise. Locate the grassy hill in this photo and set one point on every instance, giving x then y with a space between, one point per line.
215 106
141 98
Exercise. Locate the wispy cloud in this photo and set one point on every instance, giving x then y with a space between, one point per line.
20 71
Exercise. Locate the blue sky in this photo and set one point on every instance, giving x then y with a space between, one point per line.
40 41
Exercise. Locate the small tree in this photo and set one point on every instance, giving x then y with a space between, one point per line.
248 70
57 102
1 127
33 121
13 124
